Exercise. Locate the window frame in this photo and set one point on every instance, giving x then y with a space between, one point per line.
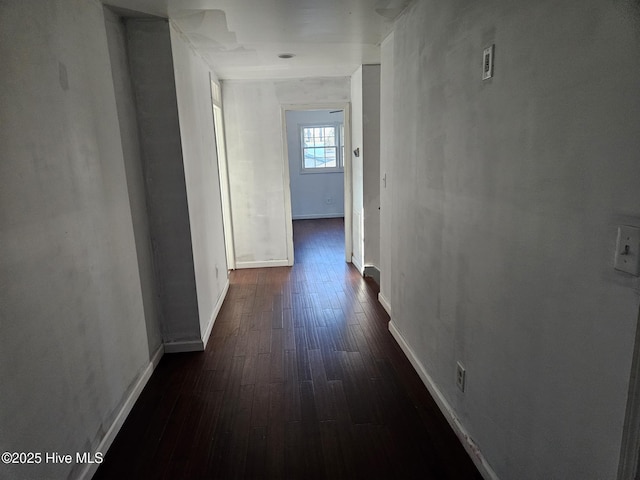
337 126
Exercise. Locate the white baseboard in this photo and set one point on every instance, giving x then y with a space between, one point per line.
469 445
263 264
90 469
372 271
216 311
313 216
199 345
385 303
184 346
357 265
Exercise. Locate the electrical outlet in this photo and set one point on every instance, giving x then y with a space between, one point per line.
460 376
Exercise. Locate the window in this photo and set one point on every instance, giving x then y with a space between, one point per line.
322 149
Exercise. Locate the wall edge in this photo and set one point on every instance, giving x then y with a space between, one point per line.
214 315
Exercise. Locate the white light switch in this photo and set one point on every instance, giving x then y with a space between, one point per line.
487 62
627 249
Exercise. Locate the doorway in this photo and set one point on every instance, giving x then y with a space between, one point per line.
318 165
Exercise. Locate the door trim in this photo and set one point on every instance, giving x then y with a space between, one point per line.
630 448
348 190
223 173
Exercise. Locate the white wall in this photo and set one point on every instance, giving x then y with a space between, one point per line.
504 201
313 195
127 118
73 339
357 174
152 72
386 160
252 112
370 157
365 136
200 159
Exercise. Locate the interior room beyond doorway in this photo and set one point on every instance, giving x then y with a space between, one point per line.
315 146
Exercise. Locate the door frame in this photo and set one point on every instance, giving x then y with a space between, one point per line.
629 462
348 187
223 171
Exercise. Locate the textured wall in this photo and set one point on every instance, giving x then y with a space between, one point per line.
127 118
370 152
73 339
505 197
152 73
193 90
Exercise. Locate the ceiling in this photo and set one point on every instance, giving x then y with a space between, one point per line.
241 39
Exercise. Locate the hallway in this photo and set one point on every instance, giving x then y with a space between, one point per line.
300 380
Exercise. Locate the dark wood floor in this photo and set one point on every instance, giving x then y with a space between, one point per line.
300 380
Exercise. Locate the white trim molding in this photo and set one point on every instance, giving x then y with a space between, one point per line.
314 216
630 447
348 187
214 315
385 303
359 267
90 469
263 264
461 432
184 346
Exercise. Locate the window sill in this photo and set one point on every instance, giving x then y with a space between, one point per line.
315 171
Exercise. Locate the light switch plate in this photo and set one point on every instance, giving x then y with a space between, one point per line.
627 249
487 62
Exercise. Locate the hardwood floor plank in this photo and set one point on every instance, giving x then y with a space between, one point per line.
312 453
294 464
256 460
289 329
324 400
302 359
276 364
276 314
334 458
291 390
264 342
301 379
357 389
211 406
313 335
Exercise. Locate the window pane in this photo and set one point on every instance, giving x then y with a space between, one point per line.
309 160
320 146
330 157
307 135
342 144
330 140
